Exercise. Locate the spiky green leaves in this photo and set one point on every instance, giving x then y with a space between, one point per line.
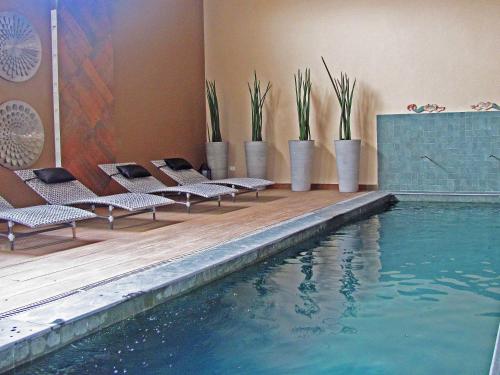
213 106
256 104
344 93
303 96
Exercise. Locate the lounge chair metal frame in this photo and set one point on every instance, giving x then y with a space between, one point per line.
151 185
73 193
192 176
49 218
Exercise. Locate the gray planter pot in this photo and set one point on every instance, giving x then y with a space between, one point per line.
301 159
217 159
256 158
348 153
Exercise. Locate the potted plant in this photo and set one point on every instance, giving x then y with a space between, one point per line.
256 149
347 150
216 149
302 150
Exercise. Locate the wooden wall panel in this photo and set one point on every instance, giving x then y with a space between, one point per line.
86 89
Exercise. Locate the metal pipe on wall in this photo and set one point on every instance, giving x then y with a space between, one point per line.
55 87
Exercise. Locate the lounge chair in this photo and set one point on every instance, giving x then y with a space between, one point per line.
145 183
185 174
46 217
72 192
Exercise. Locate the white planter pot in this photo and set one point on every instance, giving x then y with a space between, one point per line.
217 159
348 153
301 159
256 158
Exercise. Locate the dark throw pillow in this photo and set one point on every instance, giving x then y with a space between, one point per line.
53 175
178 164
133 171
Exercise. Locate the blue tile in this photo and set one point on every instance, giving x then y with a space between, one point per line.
459 144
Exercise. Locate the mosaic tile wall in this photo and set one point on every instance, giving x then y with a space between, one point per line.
439 152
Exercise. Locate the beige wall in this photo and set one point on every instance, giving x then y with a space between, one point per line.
401 52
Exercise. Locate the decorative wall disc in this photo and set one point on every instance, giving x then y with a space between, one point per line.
20 48
21 135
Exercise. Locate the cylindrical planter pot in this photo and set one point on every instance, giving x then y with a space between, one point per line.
348 153
301 159
256 158
217 159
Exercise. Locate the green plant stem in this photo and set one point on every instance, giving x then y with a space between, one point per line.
303 98
213 106
256 104
344 93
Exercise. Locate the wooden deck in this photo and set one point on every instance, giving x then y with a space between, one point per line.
50 264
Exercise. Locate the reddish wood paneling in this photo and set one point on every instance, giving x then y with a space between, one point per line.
86 89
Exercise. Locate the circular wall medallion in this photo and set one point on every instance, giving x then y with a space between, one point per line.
20 48
21 135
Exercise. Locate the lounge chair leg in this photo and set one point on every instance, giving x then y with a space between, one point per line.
233 195
73 229
188 203
218 200
257 194
111 219
11 235
154 213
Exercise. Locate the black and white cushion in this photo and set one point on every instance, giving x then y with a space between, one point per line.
191 176
4 205
44 215
182 177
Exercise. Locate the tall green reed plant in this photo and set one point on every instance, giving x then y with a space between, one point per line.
213 106
256 104
303 96
344 93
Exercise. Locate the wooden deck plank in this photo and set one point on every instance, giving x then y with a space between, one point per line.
24 279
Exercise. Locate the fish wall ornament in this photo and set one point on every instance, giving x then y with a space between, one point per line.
425 108
485 106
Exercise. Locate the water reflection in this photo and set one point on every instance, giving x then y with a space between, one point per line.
340 267
307 287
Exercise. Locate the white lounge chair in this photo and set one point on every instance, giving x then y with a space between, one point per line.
150 185
46 217
73 192
191 176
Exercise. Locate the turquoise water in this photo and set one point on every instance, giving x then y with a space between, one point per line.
414 290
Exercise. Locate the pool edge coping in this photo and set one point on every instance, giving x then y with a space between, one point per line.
37 333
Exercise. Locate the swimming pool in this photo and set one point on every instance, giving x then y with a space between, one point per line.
414 290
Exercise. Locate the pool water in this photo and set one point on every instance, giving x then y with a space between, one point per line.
413 290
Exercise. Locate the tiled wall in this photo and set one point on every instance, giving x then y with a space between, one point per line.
439 152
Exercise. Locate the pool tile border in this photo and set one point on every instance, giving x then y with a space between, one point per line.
31 334
447 197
